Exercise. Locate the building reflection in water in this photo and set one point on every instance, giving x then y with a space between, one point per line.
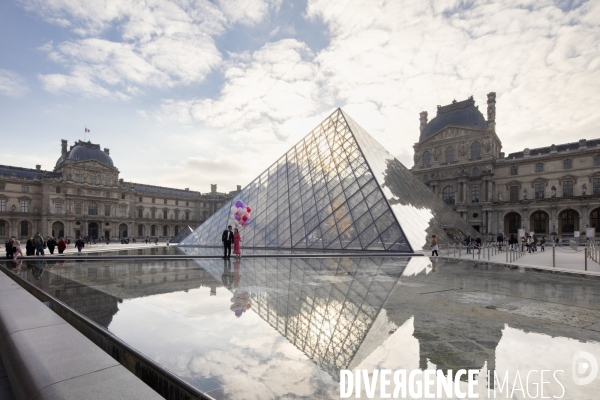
337 311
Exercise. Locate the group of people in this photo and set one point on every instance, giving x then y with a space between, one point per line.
228 238
474 244
527 241
36 246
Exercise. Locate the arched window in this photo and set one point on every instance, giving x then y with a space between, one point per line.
153 230
448 194
427 159
140 230
569 221
540 222
92 208
475 150
450 154
166 230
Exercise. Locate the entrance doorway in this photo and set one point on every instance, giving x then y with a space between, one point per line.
107 235
123 231
93 230
58 230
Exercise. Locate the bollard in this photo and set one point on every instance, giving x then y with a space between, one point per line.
506 255
459 248
454 251
585 257
473 252
553 256
488 254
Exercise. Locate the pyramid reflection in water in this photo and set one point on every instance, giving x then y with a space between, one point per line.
337 189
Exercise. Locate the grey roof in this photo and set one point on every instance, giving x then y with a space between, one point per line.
7 171
462 113
559 148
164 190
86 151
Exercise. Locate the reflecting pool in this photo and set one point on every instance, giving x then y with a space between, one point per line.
286 327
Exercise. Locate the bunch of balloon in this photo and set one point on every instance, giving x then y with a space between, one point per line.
240 215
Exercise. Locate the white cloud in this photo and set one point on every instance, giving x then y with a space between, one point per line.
163 44
58 83
247 12
12 84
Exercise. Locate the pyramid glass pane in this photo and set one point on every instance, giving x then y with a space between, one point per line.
338 189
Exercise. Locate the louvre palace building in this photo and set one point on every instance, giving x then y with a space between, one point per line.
553 191
83 195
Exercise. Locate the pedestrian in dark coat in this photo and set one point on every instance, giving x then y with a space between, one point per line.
51 243
29 247
62 245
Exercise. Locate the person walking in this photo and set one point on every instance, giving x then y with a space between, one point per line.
29 247
39 243
17 250
237 239
542 243
499 241
62 245
227 238
468 241
51 243
478 244
80 244
434 246
10 247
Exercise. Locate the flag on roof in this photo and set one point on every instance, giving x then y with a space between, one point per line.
87 130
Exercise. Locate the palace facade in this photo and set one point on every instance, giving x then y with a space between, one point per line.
83 195
553 191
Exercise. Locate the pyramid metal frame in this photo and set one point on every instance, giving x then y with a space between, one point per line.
185 232
336 189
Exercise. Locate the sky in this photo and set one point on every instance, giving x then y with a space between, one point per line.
187 93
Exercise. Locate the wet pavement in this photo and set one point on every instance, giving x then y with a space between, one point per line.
285 328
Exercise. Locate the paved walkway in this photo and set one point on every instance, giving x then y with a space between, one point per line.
92 248
565 258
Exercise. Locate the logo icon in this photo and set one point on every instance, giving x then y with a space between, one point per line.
585 368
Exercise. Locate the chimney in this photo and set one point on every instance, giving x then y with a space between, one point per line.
107 151
63 147
239 188
423 119
187 189
491 110
38 167
213 188
121 180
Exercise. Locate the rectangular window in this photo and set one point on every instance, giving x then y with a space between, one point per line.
567 188
140 199
2 228
93 179
596 162
24 228
475 194
187 203
122 196
123 211
165 214
107 195
2 186
514 193
58 190
2 204
568 164
187 215
596 185
176 214
58 207
78 178
165 201
539 190
140 213
539 167
78 208
107 209
153 213
176 202
514 170
24 205
24 188
153 200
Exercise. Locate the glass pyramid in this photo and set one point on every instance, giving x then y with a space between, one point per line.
337 189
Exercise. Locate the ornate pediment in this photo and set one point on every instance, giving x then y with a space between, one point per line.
567 178
513 183
539 180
